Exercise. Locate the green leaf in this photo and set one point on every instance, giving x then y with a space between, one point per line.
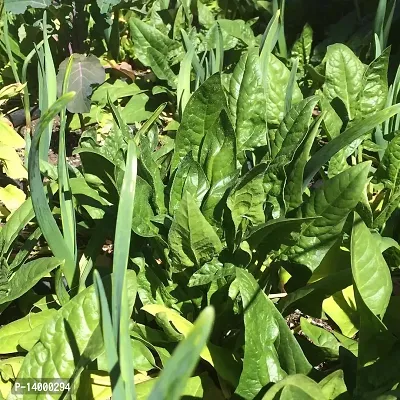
192 239
105 5
295 387
12 333
292 130
271 351
181 365
19 6
373 95
238 29
247 198
27 276
278 81
293 190
302 48
86 71
321 338
370 272
247 102
218 159
189 178
70 340
201 112
333 202
44 216
147 37
344 76
149 169
161 68
210 272
356 131
334 387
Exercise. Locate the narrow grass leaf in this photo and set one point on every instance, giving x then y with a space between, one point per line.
41 207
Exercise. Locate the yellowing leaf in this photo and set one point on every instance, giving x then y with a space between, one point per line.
12 197
181 324
10 91
13 364
341 307
12 164
9 137
94 385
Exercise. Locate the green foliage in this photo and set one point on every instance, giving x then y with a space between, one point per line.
226 224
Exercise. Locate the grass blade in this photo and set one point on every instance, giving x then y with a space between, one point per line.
183 89
109 340
121 313
346 138
290 86
50 88
41 207
64 188
181 365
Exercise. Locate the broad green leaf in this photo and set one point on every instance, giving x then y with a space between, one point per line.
159 65
341 308
146 37
117 90
293 190
201 112
149 169
180 366
333 386
247 198
15 224
302 48
295 387
105 5
370 272
192 239
12 333
210 272
278 80
271 351
86 71
344 76
19 6
374 91
238 29
333 202
142 211
27 276
69 340
190 178
292 130
321 338
218 157
247 102
356 131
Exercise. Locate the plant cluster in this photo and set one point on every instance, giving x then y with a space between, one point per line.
206 204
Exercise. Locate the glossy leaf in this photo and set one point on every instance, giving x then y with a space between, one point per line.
373 95
270 347
190 178
12 333
201 112
333 202
247 198
333 386
247 102
69 340
26 277
370 271
344 76
192 239
295 387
